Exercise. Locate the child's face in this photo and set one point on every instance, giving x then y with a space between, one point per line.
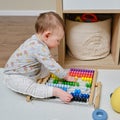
53 38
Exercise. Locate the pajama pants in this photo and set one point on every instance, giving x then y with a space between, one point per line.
28 85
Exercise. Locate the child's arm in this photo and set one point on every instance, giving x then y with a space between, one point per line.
45 58
64 96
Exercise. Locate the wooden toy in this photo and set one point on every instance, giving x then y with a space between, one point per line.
82 90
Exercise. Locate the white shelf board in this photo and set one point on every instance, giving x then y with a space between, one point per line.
91 5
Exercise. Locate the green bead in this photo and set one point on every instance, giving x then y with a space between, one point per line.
69 83
54 81
57 78
66 83
73 83
63 82
77 84
87 85
90 85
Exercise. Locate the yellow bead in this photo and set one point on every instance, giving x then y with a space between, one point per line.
53 76
82 78
90 82
85 78
91 79
76 78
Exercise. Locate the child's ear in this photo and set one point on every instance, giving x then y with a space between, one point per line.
47 34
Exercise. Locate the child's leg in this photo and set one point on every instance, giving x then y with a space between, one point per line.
40 81
28 86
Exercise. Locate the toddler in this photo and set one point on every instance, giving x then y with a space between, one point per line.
33 60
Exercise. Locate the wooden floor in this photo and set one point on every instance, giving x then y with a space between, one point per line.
13 32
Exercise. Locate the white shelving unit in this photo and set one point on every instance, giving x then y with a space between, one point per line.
98 7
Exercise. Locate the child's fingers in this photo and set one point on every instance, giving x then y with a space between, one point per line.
72 79
69 96
68 99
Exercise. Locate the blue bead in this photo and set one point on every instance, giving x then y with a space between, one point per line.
72 94
78 91
84 95
79 99
51 84
77 95
65 89
59 85
62 85
81 95
75 98
87 95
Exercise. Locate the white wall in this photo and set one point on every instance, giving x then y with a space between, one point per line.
25 7
27 4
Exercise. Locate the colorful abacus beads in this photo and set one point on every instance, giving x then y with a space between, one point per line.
78 96
57 80
54 77
86 75
70 83
61 86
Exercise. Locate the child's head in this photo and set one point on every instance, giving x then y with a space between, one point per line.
50 27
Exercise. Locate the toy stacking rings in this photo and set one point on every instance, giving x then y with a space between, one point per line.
99 114
89 17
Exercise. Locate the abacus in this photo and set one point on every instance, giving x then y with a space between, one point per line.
82 90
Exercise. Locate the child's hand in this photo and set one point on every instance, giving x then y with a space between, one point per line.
69 78
64 96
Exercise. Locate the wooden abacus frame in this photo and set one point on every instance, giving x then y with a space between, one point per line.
92 91
98 92
93 88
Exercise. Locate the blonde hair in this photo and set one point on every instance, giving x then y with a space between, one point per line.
48 20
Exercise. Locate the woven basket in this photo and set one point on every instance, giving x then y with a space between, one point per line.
87 41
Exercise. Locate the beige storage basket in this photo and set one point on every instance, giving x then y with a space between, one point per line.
87 41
